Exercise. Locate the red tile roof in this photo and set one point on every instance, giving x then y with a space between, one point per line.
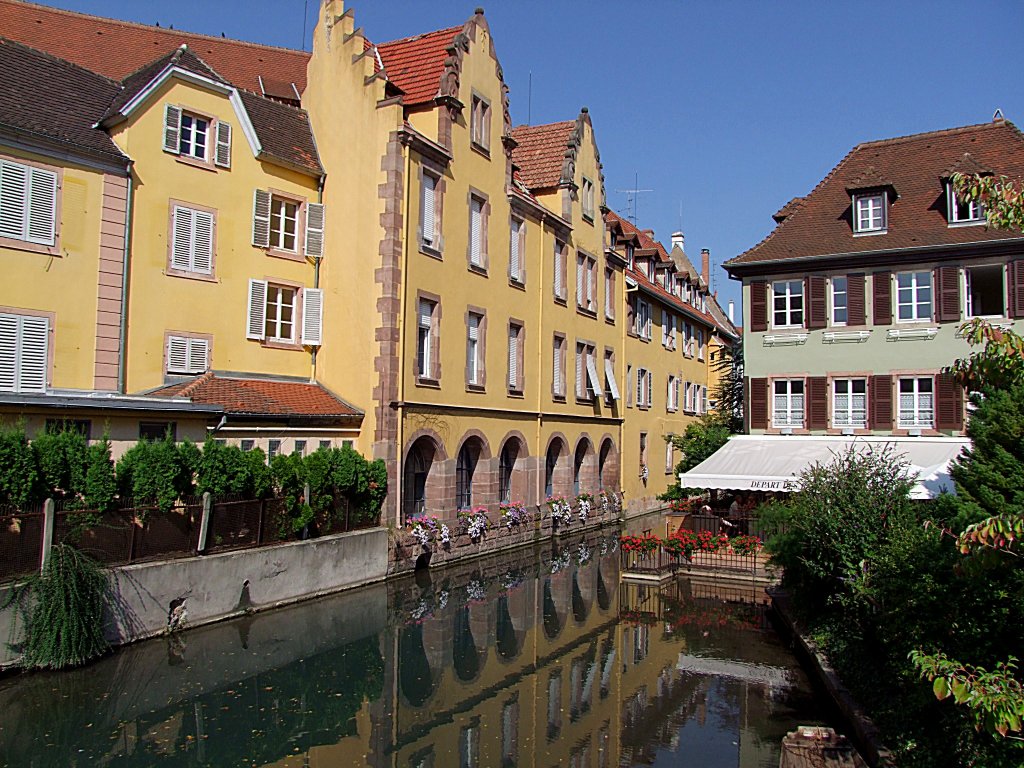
540 153
915 166
117 48
260 397
415 64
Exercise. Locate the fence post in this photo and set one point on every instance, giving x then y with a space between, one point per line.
204 522
48 515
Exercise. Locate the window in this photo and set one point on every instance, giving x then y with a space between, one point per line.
28 203
279 323
430 211
963 212
587 382
515 357
273 448
192 141
192 238
284 224
324 444
187 354
985 291
643 319
588 199
346 443
506 463
611 385
672 397
559 281
558 367
700 343
299 448
477 232
643 453
609 293
670 454
586 288
688 397
839 301
788 303
24 353
465 468
850 403
914 296
190 135
703 399
158 430
248 445
517 236
425 339
917 407
788 405
869 212
276 224
480 128
643 388
687 339
474 349
629 386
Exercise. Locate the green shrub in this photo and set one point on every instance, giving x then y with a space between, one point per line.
19 477
155 472
61 460
227 469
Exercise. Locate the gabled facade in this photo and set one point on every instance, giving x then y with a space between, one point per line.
852 304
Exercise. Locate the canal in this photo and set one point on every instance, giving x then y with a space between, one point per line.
539 657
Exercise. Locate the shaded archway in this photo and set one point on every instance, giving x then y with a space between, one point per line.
414 676
507 640
552 621
583 467
465 658
608 466
557 470
513 482
465 472
422 482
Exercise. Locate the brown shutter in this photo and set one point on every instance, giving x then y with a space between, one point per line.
947 285
1015 282
949 403
855 299
758 403
817 402
880 402
881 298
815 288
759 305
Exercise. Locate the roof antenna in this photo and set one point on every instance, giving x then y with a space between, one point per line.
529 100
997 115
305 7
631 197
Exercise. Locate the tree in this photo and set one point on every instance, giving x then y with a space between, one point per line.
701 439
728 392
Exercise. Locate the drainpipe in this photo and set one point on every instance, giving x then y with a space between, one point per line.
316 283
402 308
541 454
125 268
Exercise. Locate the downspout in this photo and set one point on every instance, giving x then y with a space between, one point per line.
541 453
125 269
402 307
316 282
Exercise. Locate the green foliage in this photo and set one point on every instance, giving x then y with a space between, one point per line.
61 611
1002 198
227 469
728 391
701 439
61 459
19 478
155 472
999 364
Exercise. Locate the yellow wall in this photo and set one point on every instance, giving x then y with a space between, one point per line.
216 307
64 283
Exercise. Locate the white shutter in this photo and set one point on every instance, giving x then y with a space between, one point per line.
32 353
261 218
42 206
559 288
314 229
426 312
476 226
513 357
255 321
312 316
513 252
557 367
650 383
202 242
178 354
428 203
581 299
473 327
198 355
8 353
181 239
640 386
13 200
172 129
595 382
222 156
580 388
609 378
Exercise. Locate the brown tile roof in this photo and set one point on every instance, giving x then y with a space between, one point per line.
117 48
284 131
260 397
47 97
415 64
820 225
540 153
137 81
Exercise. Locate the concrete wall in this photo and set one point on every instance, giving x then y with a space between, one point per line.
215 587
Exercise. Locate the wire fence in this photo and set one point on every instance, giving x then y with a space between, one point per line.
21 541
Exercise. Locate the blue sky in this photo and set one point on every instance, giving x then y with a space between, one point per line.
725 109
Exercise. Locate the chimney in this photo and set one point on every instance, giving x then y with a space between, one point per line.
678 239
648 232
731 310
705 265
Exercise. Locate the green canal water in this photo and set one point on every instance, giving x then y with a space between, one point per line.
540 657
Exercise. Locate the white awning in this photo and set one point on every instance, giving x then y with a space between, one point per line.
595 382
609 376
774 462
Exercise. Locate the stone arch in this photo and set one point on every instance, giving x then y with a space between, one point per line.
608 465
513 468
473 471
424 486
584 466
557 466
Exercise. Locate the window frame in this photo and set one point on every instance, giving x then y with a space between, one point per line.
643 319
916 410
481 262
788 312
968 298
27 243
915 303
833 306
435 246
43 366
586 283
789 422
609 294
558 384
587 199
558 284
865 198
515 383
850 412
953 209
189 338
517 278
480 123
192 273
194 116
478 380
428 345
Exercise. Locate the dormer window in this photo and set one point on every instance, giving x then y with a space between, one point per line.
963 211
869 212
629 256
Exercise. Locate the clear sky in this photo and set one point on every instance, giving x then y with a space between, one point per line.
726 110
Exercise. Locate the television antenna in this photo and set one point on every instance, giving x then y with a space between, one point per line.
631 198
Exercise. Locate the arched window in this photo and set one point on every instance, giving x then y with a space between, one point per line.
602 462
417 469
549 469
506 463
465 467
577 466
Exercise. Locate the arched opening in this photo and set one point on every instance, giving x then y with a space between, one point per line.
579 472
465 658
506 465
550 465
579 605
465 470
414 676
607 466
552 622
506 639
419 463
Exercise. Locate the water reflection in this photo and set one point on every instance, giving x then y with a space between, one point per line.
535 658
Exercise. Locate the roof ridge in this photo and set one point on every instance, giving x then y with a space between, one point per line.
1001 122
456 29
559 123
193 385
54 57
152 28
